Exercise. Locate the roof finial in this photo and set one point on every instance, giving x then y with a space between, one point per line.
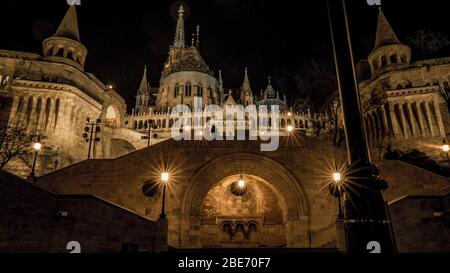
192 41
270 80
179 33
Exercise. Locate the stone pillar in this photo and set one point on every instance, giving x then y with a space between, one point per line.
421 122
42 115
51 116
430 119
406 131
13 115
395 127
414 129
32 116
440 122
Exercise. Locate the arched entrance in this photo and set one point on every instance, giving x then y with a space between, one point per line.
243 211
287 208
112 117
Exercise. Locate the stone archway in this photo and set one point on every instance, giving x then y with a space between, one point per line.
253 164
112 117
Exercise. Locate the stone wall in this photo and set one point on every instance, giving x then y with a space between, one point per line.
421 223
35 220
298 170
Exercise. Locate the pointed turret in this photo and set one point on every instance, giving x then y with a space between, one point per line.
143 95
246 83
389 52
69 25
145 86
385 33
65 46
246 90
179 33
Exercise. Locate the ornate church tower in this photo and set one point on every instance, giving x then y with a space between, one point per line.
389 53
143 95
65 46
246 91
185 75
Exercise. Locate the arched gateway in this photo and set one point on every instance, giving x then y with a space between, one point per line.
272 211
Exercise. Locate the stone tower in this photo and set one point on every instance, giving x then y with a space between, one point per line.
143 95
389 53
65 45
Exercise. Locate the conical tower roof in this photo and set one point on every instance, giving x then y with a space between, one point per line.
385 33
69 25
144 88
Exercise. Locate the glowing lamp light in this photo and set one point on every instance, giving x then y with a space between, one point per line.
165 177
110 86
337 177
241 183
290 128
289 114
445 148
37 146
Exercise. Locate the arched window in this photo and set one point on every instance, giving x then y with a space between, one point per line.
188 89
200 90
176 90
403 58
393 59
60 52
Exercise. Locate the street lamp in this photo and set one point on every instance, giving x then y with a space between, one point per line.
289 128
337 179
37 146
165 180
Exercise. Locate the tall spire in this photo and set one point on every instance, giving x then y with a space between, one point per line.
69 25
197 43
144 88
246 83
179 34
220 77
385 33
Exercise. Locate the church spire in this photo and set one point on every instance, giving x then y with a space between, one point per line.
385 33
179 34
69 25
144 88
197 42
246 84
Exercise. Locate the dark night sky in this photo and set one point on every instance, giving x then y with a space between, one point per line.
267 36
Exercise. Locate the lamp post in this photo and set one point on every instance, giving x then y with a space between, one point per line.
365 211
164 179
337 179
37 146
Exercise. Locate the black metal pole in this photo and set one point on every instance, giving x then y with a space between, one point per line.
32 174
163 213
340 213
90 140
149 135
364 206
